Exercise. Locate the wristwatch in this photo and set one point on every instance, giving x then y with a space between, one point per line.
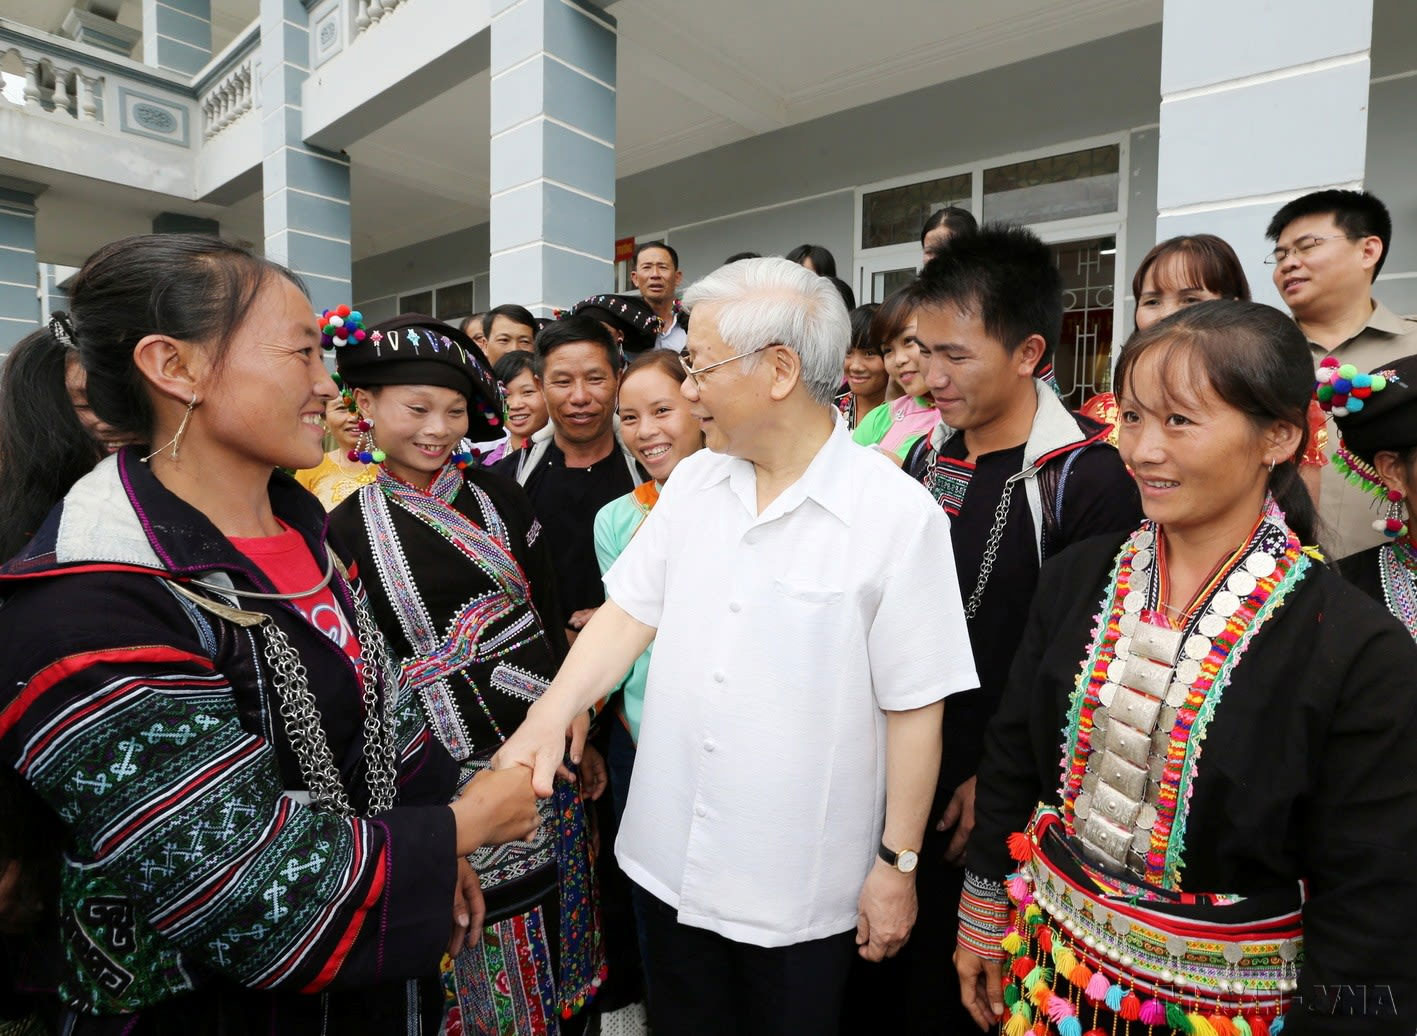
904 861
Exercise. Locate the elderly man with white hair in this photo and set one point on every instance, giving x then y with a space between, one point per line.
807 624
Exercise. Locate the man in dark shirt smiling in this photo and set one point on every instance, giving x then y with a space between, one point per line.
576 464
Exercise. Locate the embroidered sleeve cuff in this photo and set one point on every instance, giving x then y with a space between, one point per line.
983 916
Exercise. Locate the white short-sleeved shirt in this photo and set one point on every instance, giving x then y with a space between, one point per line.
758 795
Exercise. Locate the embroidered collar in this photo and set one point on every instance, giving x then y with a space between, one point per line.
1397 567
1055 430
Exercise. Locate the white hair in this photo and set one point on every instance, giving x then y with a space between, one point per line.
761 302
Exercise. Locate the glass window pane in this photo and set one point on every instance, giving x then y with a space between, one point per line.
454 301
885 283
420 302
1079 183
1083 362
894 216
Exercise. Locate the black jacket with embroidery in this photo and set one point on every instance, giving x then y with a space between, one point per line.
152 728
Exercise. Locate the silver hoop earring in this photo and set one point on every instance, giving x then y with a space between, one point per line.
176 441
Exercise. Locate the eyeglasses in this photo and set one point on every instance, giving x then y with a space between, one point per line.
1302 246
694 374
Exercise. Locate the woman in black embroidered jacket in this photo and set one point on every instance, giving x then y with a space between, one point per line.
257 835
462 585
1212 733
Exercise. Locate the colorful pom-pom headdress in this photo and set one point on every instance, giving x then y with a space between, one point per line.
341 326
1373 412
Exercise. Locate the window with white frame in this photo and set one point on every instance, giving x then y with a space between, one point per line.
1073 196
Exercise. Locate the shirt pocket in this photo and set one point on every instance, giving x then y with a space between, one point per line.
806 593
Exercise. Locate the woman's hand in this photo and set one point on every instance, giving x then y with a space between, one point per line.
979 987
594 775
469 908
496 806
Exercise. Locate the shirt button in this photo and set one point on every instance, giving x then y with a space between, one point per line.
718 678
709 745
734 606
700 811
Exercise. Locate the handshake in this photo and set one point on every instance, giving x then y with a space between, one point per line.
499 805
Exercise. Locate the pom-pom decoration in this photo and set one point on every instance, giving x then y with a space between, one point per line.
1340 389
340 326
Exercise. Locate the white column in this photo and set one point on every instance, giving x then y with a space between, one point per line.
552 152
1260 103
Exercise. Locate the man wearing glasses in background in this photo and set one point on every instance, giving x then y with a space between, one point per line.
807 625
1329 248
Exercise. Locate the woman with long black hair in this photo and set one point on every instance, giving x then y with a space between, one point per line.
1257 884
43 442
256 835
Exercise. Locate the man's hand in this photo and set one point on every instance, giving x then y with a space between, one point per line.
886 912
594 775
980 987
539 744
469 909
960 811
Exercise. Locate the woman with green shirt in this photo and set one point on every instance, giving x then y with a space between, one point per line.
656 425
895 425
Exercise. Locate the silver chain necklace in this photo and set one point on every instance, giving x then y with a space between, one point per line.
300 715
991 548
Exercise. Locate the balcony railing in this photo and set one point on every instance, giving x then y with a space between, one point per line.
53 77
51 84
367 12
226 88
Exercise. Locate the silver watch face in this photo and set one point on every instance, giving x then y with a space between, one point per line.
906 860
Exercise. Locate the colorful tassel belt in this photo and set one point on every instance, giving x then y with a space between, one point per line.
1201 964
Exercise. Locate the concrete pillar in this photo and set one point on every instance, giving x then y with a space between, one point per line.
19 265
306 189
177 34
1260 103
553 152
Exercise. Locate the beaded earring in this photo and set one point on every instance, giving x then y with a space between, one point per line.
366 452
1393 525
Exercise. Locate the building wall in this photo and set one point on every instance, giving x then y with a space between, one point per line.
779 189
794 185
1392 145
458 256
1106 86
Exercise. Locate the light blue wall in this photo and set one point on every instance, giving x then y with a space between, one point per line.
749 195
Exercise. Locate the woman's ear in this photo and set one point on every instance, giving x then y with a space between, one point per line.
364 400
171 365
1392 471
1282 442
